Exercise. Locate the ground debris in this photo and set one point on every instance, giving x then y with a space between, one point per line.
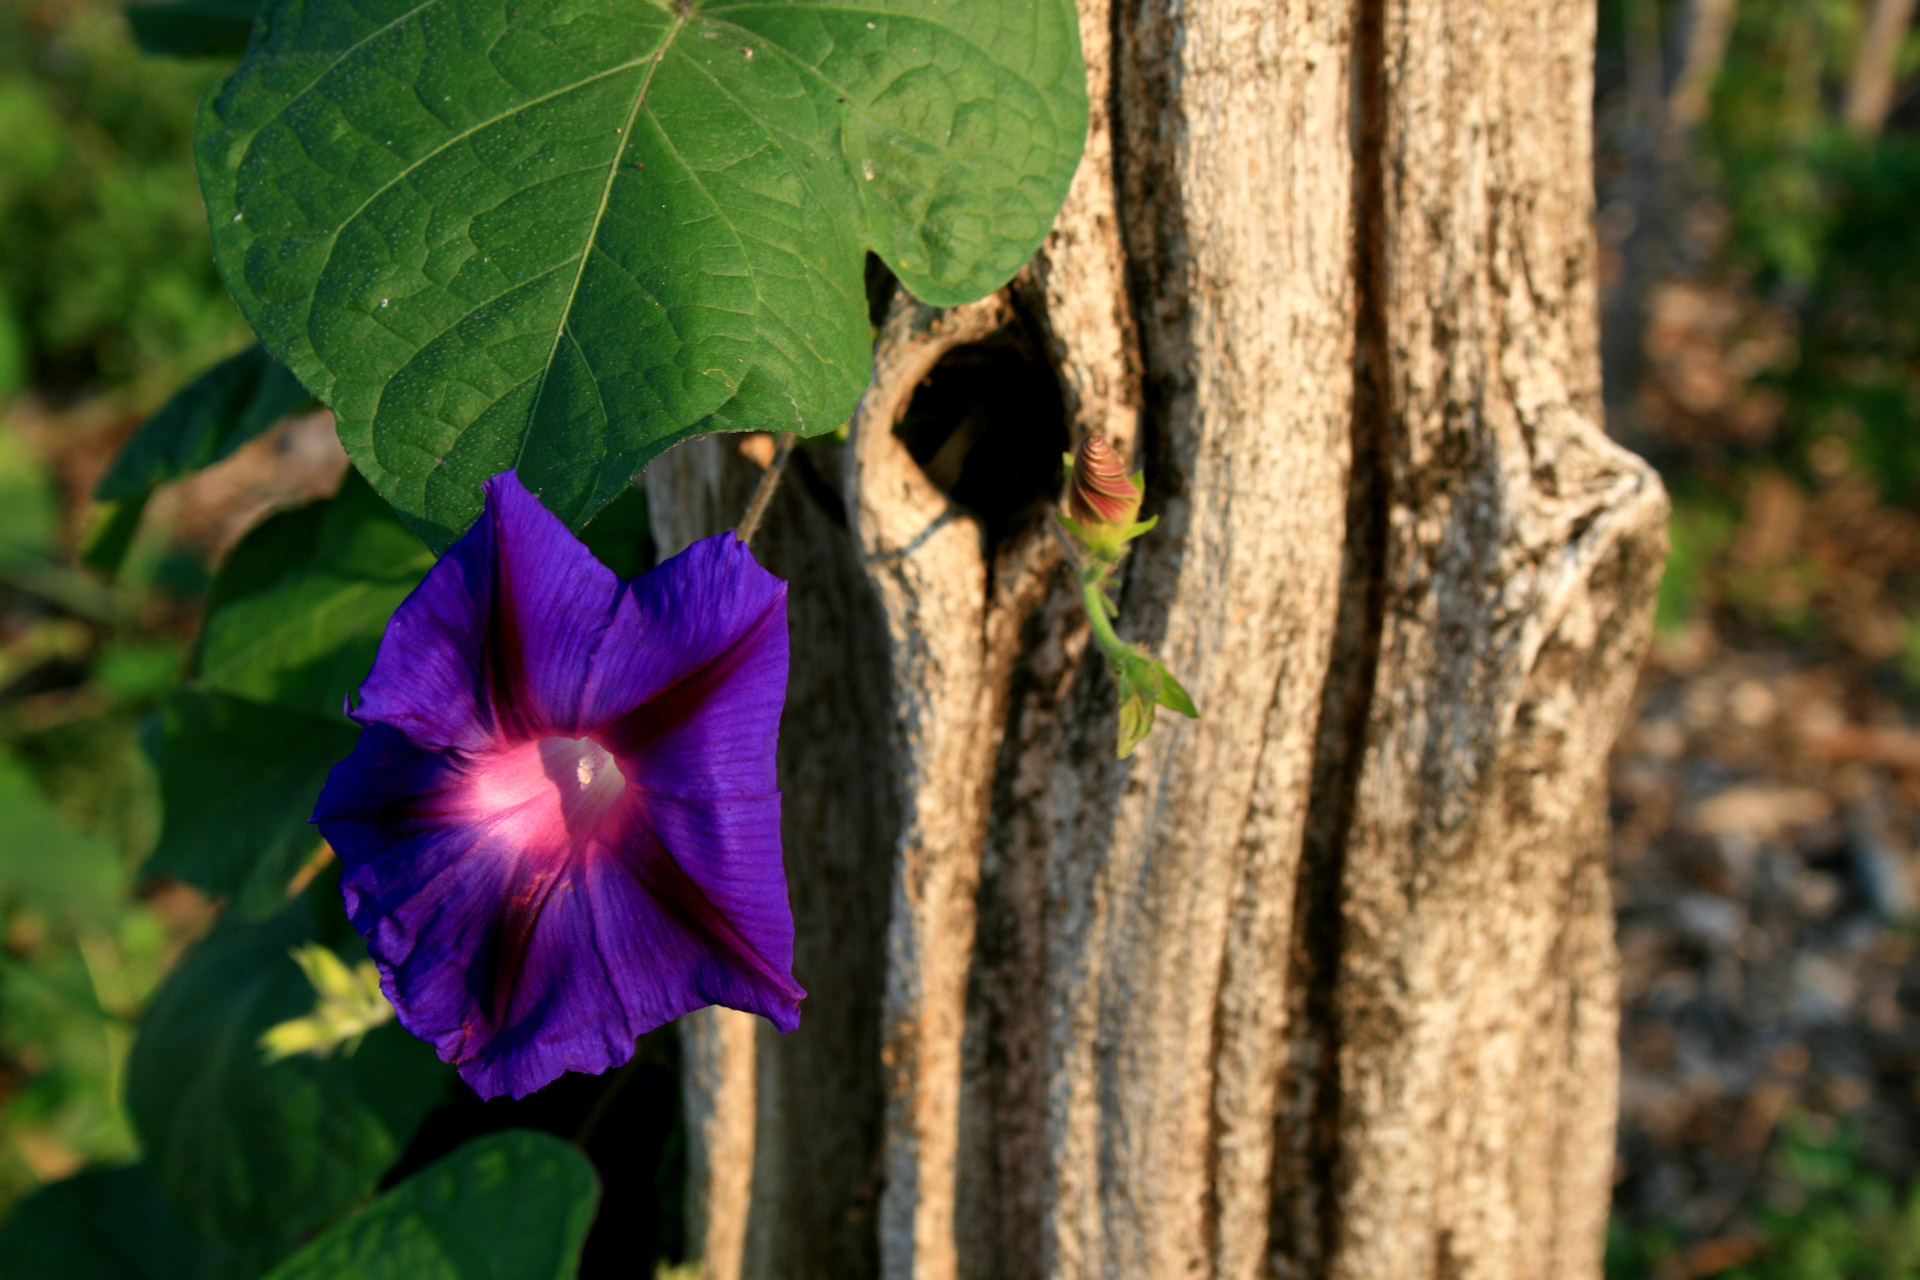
1765 882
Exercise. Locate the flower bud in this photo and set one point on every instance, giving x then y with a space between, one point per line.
1100 491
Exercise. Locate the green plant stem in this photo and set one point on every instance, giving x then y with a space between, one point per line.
1092 592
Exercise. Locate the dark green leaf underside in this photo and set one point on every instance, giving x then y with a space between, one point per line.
204 422
563 234
238 779
298 609
293 622
259 1156
511 1206
110 1223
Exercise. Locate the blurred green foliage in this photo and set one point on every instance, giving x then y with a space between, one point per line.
1791 496
1827 1218
106 272
1698 533
1825 216
78 956
1815 242
107 288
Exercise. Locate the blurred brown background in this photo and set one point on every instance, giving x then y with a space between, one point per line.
1759 227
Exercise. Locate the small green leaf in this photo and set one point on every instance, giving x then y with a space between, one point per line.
238 779
1136 722
296 614
205 421
1174 696
260 1155
193 28
1143 683
510 1206
349 1003
104 1224
561 236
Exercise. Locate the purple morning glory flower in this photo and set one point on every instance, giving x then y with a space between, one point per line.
560 827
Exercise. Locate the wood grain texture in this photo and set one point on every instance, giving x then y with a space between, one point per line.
927 562
1515 574
719 1075
1320 985
1169 873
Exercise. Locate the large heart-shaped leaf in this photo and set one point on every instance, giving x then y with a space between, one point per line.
511 1206
560 235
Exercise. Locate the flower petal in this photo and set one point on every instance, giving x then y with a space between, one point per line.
533 911
517 960
689 686
716 870
498 639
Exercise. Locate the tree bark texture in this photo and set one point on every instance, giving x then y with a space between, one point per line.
1320 984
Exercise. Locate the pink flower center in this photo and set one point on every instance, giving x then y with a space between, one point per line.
546 796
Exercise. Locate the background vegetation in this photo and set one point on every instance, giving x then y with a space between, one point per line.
108 299
1760 255
1759 173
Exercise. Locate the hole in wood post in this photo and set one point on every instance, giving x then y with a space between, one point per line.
988 427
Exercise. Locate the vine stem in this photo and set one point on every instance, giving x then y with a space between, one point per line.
1092 593
763 492
604 1103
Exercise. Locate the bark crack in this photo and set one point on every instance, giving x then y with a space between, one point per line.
1305 1231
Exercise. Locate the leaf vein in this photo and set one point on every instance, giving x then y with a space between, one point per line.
593 231
343 55
462 136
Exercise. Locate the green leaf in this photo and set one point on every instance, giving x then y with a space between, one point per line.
260 1155
350 1003
205 421
44 861
510 1206
560 235
109 535
296 614
294 619
193 28
238 779
1174 695
103 1224
1143 682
